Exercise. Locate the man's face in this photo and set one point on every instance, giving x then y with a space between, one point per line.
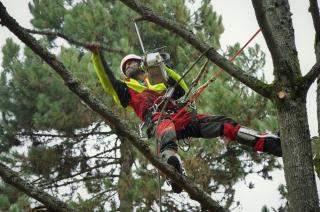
134 64
132 69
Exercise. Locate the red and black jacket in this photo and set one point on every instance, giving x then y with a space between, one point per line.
132 94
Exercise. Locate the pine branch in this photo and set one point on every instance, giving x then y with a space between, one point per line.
116 124
83 179
12 178
71 40
116 161
247 79
101 165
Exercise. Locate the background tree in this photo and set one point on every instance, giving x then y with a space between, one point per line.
68 156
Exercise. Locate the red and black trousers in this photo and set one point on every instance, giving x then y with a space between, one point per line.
186 124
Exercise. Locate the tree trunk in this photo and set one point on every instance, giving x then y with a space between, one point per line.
297 156
125 179
317 51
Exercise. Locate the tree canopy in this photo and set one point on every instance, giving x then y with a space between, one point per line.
53 138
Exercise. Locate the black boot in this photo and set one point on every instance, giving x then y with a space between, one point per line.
268 143
272 146
173 159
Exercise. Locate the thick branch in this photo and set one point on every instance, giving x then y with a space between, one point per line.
71 40
314 73
147 14
119 127
314 10
274 18
13 179
311 76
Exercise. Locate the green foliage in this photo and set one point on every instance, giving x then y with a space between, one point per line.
12 200
4 202
47 14
44 159
35 101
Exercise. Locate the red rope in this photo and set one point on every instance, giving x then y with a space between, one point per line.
199 91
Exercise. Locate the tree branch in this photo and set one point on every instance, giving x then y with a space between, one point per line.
314 10
71 40
118 125
147 14
72 181
12 178
64 135
274 18
311 76
60 178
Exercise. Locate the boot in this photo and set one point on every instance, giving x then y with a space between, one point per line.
173 159
268 143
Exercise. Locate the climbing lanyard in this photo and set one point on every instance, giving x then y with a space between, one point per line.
199 91
195 95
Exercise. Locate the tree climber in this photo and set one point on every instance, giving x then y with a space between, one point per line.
136 92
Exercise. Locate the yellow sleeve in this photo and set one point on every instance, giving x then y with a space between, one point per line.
176 78
103 77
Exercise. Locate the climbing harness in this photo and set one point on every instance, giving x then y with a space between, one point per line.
199 91
188 102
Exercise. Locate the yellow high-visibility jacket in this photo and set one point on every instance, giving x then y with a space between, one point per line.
132 94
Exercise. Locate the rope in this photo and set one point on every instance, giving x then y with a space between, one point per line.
195 96
199 91
167 99
194 82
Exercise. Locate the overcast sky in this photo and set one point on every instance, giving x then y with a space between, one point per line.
240 23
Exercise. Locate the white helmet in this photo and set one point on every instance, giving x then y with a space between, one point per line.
126 59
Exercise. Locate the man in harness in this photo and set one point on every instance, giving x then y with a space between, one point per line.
137 93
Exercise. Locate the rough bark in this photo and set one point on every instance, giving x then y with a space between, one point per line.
12 178
314 10
274 17
125 178
317 50
297 156
116 124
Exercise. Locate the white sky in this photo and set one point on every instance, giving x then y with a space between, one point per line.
240 23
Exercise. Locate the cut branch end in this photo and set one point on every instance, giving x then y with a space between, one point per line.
282 94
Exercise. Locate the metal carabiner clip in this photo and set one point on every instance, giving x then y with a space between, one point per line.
142 131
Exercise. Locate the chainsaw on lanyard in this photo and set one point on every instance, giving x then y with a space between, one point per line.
154 62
